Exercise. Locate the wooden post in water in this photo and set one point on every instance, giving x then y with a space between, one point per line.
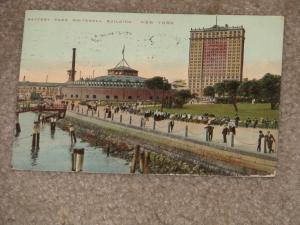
142 161
98 114
120 118
81 110
135 159
77 159
146 163
112 116
130 119
154 123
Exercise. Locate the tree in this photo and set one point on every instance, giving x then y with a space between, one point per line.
270 89
158 83
250 89
231 88
209 91
219 89
181 97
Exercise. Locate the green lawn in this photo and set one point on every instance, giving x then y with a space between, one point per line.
245 110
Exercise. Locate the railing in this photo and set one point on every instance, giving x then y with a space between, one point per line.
184 130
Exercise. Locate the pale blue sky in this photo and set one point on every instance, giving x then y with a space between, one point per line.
153 49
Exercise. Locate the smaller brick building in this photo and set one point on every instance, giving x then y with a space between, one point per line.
121 84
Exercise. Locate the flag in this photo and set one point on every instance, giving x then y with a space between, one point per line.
123 51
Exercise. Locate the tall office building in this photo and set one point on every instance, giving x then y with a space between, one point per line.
216 54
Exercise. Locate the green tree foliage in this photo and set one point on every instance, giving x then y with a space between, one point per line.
209 91
158 83
270 89
181 97
219 89
250 89
231 88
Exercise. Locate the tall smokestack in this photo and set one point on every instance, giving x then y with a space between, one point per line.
73 65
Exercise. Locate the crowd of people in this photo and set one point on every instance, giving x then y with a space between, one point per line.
228 124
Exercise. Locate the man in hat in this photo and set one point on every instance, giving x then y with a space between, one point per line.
225 132
209 131
260 137
270 139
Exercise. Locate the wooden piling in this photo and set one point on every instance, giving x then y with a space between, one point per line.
142 161
130 119
146 163
135 159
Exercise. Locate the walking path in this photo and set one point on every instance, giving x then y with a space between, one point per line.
244 140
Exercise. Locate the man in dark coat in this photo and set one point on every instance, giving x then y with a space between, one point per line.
260 137
225 132
270 139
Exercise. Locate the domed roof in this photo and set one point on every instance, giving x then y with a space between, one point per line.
126 79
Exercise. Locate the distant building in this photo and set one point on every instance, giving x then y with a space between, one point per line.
44 89
216 54
179 85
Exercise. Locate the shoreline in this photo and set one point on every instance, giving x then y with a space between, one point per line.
159 163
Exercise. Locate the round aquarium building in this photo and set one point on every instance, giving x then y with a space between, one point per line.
122 83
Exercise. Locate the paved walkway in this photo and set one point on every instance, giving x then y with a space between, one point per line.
245 138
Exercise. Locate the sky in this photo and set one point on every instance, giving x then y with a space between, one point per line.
155 44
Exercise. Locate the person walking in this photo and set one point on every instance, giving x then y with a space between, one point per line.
248 122
270 139
237 119
171 125
260 137
72 105
255 123
225 132
209 132
72 134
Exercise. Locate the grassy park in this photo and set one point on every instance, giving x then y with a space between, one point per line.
245 110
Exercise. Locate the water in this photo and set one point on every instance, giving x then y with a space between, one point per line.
54 153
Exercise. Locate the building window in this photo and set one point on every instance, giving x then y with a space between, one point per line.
115 97
151 97
94 96
129 97
107 96
87 96
76 96
71 96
